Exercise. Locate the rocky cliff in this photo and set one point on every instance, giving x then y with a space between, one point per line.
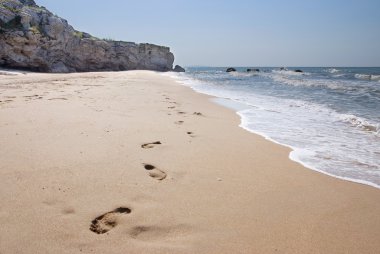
31 37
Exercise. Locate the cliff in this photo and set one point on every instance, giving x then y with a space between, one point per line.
31 37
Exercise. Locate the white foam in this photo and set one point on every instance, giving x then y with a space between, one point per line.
243 74
297 80
361 123
363 76
290 73
368 77
296 154
332 70
339 75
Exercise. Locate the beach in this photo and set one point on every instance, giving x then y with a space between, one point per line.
134 162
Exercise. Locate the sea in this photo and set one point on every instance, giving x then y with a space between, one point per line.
329 117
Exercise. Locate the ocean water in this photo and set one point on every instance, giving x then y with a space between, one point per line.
330 117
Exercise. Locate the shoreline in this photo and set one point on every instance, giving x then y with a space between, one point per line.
128 152
292 154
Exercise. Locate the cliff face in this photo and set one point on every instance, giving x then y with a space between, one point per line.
31 37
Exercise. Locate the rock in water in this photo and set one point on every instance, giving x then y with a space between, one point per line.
298 71
230 70
33 38
178 68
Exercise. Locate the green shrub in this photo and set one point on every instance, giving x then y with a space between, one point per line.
78 34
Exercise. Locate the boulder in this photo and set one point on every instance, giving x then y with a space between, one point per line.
178 68
33 38
253 70
230 70
298 71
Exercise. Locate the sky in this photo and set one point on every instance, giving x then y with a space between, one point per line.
238 33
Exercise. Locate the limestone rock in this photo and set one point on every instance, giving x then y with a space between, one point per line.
33 38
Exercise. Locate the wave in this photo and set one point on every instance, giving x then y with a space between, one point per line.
361 123
339 75
243 74
332 70
375 77
288 80
338 82
290 73
368 77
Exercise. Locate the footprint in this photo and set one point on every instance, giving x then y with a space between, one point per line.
150 145
30 97
158 233
107 221
198 113
179 122
191 134
172 107
68 210
33 97
155 172
51 99
181 112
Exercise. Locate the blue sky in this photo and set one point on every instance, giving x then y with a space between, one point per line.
238 33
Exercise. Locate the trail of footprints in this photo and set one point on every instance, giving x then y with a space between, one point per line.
154 172
107 221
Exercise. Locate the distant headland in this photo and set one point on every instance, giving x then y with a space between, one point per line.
33 38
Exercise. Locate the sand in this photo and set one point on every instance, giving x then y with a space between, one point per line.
133 162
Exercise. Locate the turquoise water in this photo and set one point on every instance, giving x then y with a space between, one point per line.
330 117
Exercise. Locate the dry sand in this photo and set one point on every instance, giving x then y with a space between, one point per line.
76 177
